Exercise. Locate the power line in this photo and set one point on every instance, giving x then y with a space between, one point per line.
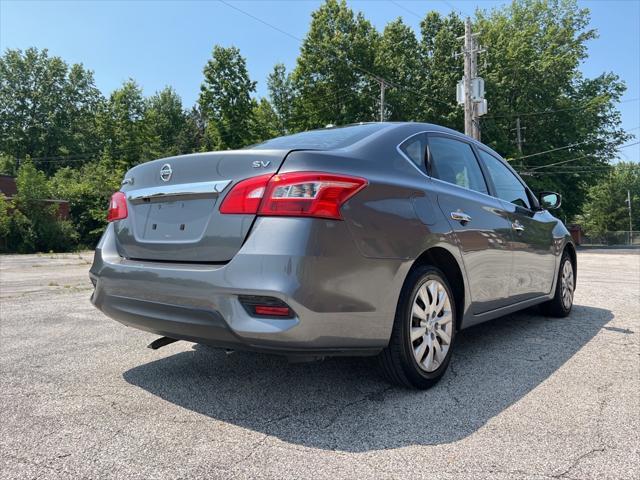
536 170
449 4
579 158
95 154
551 150
547 112
558 163
453 7
405 9
582 167
377 78
574 170
298 39
563 172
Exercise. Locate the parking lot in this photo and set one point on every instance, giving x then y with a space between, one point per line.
525 397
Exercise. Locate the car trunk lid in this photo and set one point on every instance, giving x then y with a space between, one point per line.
173 206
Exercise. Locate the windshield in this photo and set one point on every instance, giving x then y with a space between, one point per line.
325 139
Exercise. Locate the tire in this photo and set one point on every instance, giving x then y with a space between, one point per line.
399 360
562 302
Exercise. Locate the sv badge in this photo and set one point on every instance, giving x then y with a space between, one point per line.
261 164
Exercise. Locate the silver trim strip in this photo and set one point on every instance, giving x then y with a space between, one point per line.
203 189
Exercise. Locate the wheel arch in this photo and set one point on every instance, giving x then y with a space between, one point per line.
443 259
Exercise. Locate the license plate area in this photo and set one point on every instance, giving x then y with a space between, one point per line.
176 221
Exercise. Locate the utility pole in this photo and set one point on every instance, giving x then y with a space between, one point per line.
470 91
382 87
519 134
468 75
630 218
475 114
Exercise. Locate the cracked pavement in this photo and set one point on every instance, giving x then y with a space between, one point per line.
525 397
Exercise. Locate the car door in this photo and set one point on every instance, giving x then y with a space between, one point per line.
532 239
480 223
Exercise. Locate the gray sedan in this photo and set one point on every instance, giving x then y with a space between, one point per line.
374 239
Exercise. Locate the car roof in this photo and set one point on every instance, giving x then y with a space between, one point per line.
412 128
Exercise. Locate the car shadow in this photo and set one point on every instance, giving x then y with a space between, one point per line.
343 404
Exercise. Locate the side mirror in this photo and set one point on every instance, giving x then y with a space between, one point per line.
549 200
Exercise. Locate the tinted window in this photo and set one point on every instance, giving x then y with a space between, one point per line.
508 187
415 148
454 162
324 139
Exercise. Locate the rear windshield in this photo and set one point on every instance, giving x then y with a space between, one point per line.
325 139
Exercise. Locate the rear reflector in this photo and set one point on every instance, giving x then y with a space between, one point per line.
117 207
296 194
272 311
259 306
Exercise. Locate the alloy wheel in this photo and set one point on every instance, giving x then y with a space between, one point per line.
567 285
431 325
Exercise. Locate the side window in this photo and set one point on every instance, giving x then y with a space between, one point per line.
415 148
454 162
508 187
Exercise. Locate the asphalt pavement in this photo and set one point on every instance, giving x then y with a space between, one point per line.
526 396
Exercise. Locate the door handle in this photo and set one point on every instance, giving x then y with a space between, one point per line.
460 217
517 226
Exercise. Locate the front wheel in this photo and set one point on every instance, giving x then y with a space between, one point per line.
424 330
560 305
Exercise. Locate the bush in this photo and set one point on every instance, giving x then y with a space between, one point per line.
88 190
31 224
21 237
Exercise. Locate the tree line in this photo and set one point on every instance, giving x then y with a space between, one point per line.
64 139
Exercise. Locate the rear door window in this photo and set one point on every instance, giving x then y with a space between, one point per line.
453 161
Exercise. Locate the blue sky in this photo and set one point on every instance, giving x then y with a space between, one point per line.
160 43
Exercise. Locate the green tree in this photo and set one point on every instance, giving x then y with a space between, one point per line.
5 222
441 70
8 165
166 125
225 100
194 132
606 209
88 190
47 109
265 121
533 57
329 78
122 127
35 223
281 94
398 61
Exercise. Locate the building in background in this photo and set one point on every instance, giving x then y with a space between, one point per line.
9 189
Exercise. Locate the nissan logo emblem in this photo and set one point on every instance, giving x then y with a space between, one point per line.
165 172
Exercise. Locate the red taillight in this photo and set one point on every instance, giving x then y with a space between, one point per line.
117 207
309 194
245 196
297 194
272 311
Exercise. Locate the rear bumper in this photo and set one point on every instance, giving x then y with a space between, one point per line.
343 303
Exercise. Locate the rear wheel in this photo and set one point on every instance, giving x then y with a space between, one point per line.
424 330
560 305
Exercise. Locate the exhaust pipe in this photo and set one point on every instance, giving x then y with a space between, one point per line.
161 342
